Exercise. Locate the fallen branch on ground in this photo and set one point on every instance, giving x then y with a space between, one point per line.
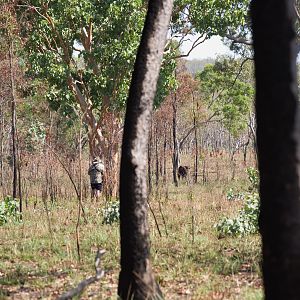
83 284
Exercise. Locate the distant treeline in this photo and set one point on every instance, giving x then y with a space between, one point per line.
197 65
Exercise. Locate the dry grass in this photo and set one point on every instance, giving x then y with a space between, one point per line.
190 262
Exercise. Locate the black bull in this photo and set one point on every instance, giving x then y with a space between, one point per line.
183 172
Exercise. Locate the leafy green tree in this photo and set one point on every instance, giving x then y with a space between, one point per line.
85 52
227 94
208 18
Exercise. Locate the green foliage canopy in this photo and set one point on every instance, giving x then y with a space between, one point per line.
228 96
94 41
210 17
57 43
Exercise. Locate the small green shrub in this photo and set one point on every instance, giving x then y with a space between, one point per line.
36 136
253 177
246 222
232 195
9 211
111 213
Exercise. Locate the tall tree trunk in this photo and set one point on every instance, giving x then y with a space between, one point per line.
1 145
278 141
136 279
107 147
175 159
196 139
13 123
19 175
156 157
165 156
102 136
150 160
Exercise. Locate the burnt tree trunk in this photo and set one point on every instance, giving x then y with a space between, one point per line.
175 158
165 157
13 123
136 280
150 160
156 157
1 145
19 175
196 140
278 142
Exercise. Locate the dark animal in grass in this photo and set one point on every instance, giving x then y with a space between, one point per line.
183 172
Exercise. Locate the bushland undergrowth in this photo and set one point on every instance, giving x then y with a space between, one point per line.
38 257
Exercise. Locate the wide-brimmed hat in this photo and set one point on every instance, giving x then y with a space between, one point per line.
97 160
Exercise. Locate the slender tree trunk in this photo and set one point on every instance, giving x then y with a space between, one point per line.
252 122
150 160
278 142
196 157
1 145
136 279
175 159
19 175
13 123
80 193
196 141
156 157
165 157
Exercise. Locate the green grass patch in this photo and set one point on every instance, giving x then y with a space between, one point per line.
189 260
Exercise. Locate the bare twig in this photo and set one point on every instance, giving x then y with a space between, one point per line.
83 284
163 217
208 120
70 177
196 43
65 168
155 219
240 70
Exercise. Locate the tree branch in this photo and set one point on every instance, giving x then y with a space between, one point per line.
196 43
83 284
239 40
209 119
240 70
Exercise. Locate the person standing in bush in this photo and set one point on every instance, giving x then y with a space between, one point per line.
96 171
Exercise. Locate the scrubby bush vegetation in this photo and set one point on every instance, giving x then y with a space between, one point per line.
9 210
111 213
246 222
